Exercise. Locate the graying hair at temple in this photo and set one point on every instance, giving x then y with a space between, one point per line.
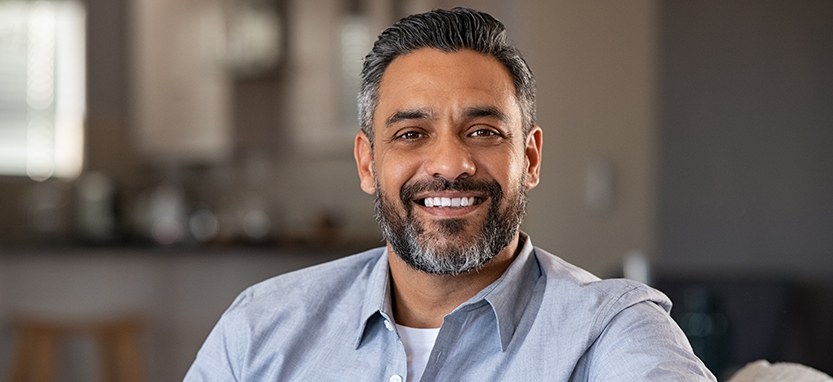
449 31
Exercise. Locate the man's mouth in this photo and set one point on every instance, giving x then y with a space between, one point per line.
448 202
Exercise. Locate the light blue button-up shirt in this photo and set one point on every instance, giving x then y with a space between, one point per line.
542 320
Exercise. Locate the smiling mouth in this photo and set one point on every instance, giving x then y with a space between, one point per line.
448 202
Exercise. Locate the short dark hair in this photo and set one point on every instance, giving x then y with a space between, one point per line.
449 31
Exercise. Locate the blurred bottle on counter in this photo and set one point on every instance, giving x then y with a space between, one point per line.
96 209
254 218
46 205
165 212
203 224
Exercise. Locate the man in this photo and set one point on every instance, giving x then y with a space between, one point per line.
449 148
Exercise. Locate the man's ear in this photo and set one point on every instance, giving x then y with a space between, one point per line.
363 152
534 143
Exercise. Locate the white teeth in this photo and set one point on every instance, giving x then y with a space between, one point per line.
448 202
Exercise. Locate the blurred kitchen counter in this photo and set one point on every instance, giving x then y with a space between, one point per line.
180 291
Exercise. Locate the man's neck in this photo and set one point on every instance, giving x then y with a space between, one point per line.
421 300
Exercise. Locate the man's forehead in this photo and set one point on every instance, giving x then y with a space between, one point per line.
429 82
465 113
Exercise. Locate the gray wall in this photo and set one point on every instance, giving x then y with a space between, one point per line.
746 168
746 163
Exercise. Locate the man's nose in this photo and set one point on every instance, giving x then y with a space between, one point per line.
450 159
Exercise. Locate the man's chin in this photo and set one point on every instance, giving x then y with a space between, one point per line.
451 230
443 242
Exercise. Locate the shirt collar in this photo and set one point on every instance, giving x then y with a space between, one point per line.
507 296
376 297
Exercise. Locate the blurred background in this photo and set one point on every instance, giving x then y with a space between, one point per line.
157 157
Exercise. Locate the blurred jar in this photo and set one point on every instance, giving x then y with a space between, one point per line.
166 215
96 218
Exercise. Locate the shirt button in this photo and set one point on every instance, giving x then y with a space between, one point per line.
395 377
389 326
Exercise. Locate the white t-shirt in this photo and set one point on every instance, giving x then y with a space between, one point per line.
418 344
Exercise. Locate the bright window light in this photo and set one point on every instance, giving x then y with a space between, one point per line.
42 88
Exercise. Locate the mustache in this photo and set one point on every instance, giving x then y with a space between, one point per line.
411 189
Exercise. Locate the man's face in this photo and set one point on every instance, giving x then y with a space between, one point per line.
451 166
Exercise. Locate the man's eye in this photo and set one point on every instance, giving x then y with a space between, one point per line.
484 133
410 135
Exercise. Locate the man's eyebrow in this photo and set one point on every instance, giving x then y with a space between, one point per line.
403 115
485 111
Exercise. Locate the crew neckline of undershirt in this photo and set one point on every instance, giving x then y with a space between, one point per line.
418 343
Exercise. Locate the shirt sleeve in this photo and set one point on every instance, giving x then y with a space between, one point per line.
641 342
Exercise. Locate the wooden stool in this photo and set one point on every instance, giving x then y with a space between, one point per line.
38 342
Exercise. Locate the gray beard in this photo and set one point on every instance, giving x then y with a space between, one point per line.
438 252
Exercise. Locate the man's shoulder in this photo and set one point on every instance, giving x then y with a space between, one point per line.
323 282
620 329
583 287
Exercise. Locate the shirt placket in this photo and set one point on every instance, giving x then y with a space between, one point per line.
397 369
450 339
